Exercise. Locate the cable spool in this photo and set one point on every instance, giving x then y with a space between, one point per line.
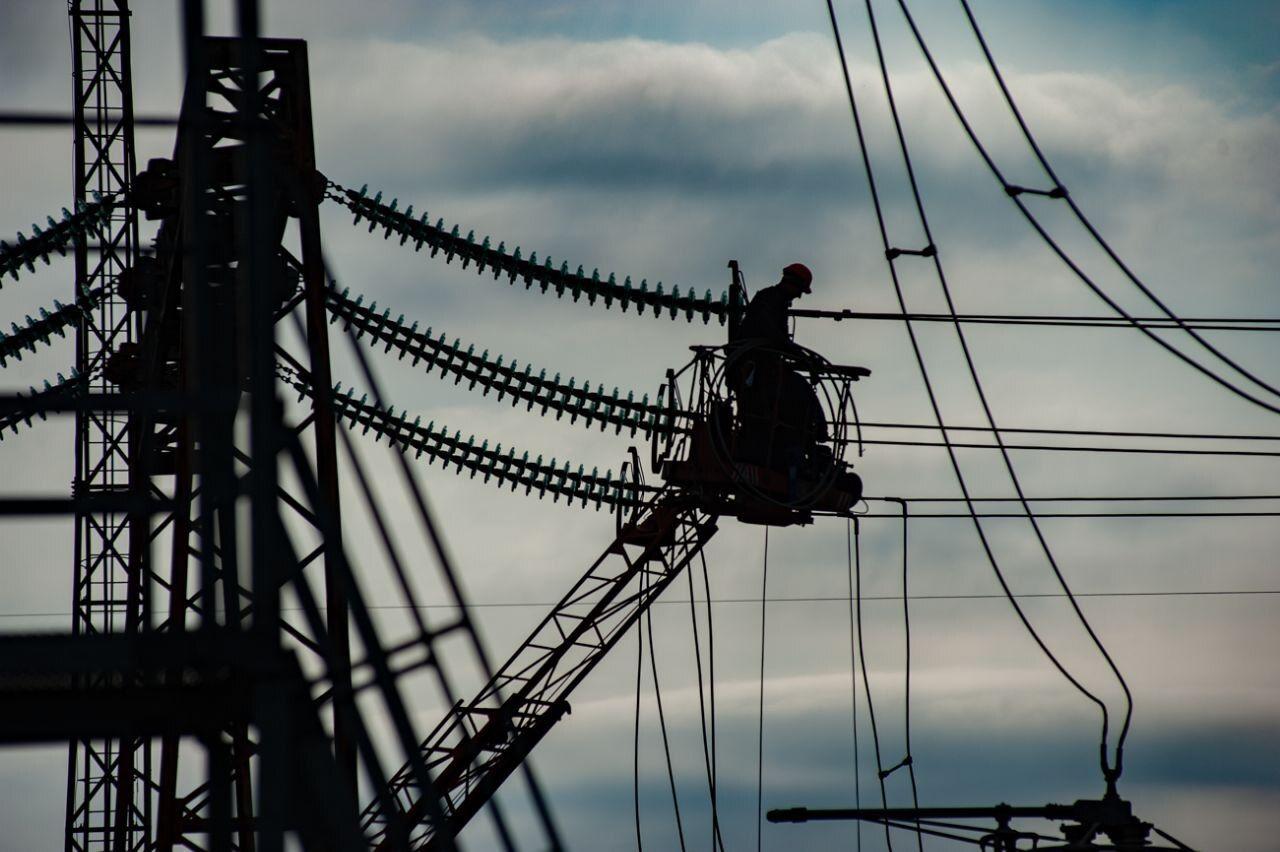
768 407
768 430
668 442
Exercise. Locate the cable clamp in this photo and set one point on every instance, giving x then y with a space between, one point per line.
885 773
1013 191
928 251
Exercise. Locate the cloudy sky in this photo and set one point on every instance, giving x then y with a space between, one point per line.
660 139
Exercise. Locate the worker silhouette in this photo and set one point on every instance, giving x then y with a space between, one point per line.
781 422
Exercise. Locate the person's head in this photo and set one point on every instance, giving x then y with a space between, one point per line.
797 278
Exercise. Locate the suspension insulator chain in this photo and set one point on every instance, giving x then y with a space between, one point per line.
35 401
514 266
521 384
504 467
39 331
44 242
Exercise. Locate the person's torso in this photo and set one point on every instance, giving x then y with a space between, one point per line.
766 316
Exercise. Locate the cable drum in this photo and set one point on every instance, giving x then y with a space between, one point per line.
769 428
783 402
667 439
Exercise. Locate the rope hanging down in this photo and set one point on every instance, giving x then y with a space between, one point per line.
662 716
521 384
530 269
708 751
42 243
908 759
591 489
38 331
854 644
764 609
855 568
635 753
61 391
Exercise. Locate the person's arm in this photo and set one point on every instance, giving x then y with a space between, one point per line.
768 320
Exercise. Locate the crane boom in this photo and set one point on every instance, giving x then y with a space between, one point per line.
479 744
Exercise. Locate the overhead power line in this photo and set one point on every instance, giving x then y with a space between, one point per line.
1059 191
953 445
1038 515
593 407
808 599
1101 433
1110 770
1111 498
53 238
1058 320
55 119
856 569
515 267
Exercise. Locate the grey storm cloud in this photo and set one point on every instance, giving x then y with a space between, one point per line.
692 118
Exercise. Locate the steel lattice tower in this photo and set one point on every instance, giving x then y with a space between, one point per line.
107 802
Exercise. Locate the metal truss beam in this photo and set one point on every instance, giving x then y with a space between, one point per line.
108 804
478 745
177 599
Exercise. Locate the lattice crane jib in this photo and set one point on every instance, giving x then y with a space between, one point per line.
724 447
482 742
751 430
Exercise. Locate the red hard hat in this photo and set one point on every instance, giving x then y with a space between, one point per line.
801 273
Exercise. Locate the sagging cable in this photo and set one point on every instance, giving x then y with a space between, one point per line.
530 270
41 330
506 379
60 391
45 242
503 467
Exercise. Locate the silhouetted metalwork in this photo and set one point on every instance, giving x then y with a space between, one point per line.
580 402
1087 825
482 742
187 535
180 639
108 803
729 450
242 171
530 270
766 432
